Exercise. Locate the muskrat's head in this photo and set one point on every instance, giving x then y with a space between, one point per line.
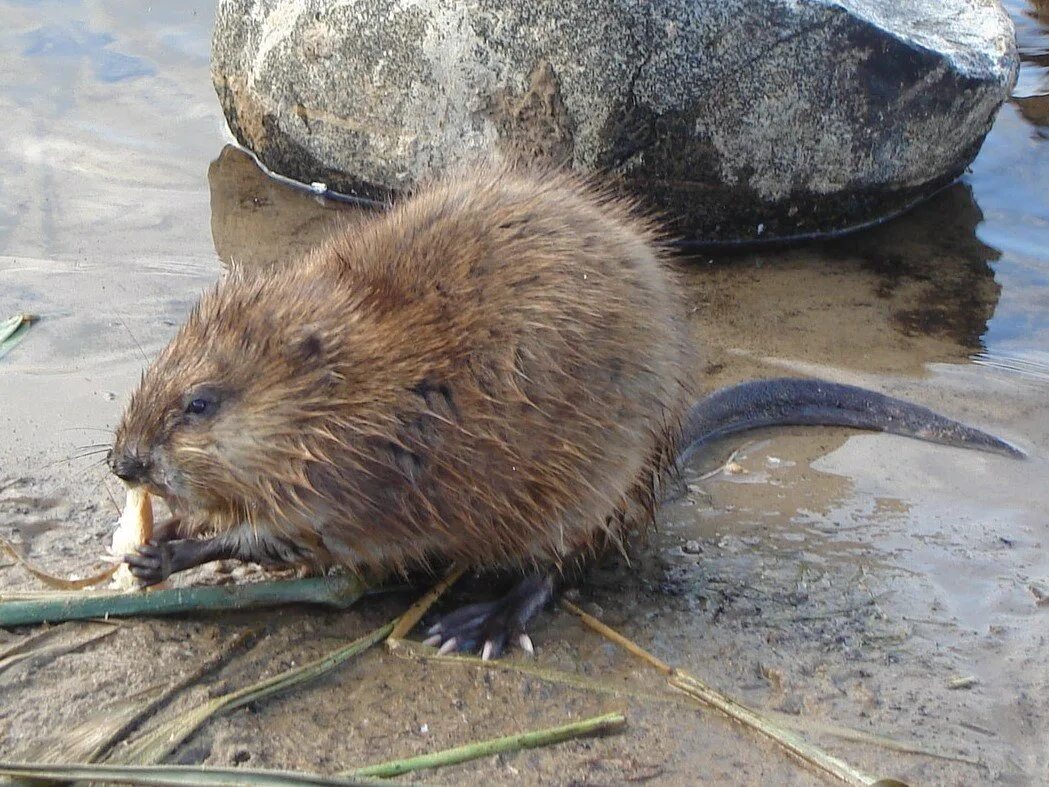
219 421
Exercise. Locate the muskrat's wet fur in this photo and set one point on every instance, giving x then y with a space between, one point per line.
489 373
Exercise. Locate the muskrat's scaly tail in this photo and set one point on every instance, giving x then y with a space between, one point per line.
795 402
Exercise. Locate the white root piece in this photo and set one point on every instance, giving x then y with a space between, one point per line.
134 529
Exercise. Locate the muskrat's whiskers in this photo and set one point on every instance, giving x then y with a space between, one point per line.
90 452
111 496
79 452
86 452
73 458
133 338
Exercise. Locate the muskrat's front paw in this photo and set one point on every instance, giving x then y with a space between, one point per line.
150 563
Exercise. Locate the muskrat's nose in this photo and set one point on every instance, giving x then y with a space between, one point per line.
129 468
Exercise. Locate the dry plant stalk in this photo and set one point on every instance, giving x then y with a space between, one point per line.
98 732
415 612
708 695
54 641
156 744
50 579
414 650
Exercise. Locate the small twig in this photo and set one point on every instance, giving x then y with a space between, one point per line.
50 579
722 467
528 740
977 728
415 612
42 644
614 636
930 622
415 650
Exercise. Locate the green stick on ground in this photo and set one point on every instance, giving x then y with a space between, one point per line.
167 775
195 775
50 607
527 740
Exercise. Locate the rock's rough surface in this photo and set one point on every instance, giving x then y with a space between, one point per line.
739 118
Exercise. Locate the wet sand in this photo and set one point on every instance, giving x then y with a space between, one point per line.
834 577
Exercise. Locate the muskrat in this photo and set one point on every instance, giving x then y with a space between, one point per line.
494 372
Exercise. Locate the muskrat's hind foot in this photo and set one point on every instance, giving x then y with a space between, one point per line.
493 624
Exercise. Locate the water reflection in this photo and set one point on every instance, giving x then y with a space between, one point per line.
258 221
1031 94
892 300
935 253
1009 180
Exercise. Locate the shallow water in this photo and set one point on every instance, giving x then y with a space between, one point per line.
837 577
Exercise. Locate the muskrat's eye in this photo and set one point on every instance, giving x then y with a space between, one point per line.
197 407
200 402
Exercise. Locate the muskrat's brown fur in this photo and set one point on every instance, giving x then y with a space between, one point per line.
490 373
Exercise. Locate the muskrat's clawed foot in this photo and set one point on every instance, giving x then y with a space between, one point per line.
490 625
151 563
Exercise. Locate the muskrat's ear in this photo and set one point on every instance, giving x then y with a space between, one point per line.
308 346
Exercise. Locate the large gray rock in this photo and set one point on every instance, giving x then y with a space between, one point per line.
739 118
